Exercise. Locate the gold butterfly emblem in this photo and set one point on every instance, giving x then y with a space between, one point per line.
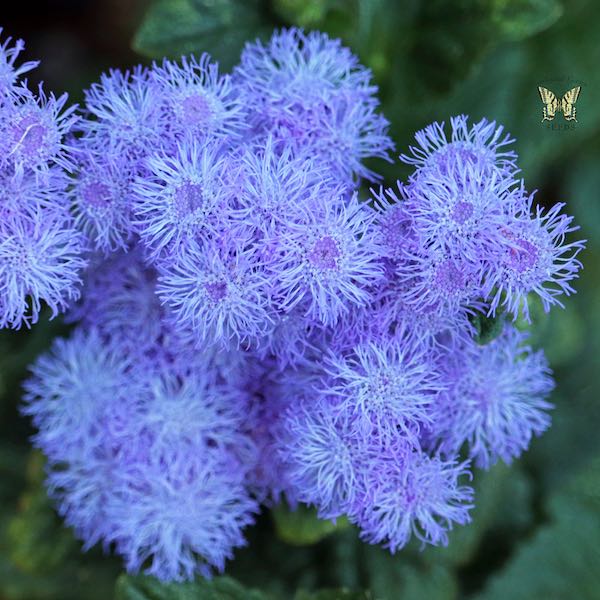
566 104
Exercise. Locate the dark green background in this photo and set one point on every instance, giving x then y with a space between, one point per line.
536 527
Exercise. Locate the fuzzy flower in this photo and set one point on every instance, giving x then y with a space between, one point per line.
495 400
198 101
268 183
40 261
123 117
534 257
181 198
35 130
219 292
483 143
146 459
301 66
387 386
101 200
410 493
321 451
439 284
307 91
327 256
120 302
68 390
461 210
175 527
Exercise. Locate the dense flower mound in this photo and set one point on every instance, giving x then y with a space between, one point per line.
41 249
252 328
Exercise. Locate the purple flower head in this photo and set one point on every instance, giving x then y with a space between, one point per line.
482 144
40 261
119 300
177 525
494 400
269 183
151 460
69 388
461 210
534 257
34 132
181 198
394 223
321 451
410 493
301 67
328 256
101 199
308 91
438 283
20 192
387 386
219 292
199 101
124 119
10 72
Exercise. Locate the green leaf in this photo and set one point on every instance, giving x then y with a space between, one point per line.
141 587
305 13
302 526
391 577
221 27
487 328
519 19
502 496
338 594
560 560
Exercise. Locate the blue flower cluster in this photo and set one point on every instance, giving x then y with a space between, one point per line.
249 328
40 247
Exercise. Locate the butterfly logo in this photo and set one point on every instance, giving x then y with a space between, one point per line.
566 104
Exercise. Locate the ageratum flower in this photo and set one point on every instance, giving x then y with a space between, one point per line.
181 198
387 385
124 120
495 398
326 255
460 211
34 131
179 524
410 493
436 282
119 301
68 390
310 93
266 184
533 257
218 292
40 261
101 201
150 460
197 100
321 451
483 144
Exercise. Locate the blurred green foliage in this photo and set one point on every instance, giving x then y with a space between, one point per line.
536 525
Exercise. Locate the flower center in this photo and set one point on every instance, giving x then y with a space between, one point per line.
216 291
325 253
29 135
461 212
97 195
523 258
196 110
449 277
188 198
